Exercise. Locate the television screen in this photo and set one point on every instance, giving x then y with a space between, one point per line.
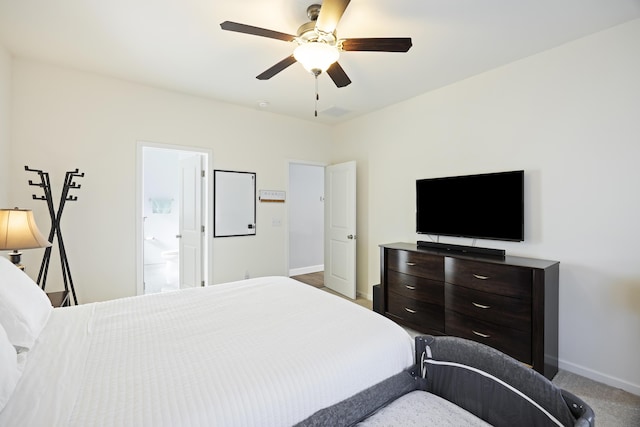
486 206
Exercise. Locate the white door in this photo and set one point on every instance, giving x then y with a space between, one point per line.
191 225
340 229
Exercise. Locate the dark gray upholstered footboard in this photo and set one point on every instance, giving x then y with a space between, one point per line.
477 378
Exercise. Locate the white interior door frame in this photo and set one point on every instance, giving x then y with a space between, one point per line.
207 250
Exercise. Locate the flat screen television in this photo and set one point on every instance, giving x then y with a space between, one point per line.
486 206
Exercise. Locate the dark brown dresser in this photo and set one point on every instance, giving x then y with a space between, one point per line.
508 303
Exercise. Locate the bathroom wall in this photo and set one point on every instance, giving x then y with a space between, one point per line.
161 197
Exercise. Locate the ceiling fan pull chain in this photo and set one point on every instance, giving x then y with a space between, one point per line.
317 96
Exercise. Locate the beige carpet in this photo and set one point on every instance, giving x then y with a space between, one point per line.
613 407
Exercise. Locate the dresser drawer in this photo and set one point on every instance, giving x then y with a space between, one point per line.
416 264
499 279
418 288
514 342
421 316
498 309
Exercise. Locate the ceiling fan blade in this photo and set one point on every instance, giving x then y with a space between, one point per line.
388 44
256 31
266 75
338 75
330 14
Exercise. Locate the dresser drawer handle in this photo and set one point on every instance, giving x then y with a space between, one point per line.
411 264
482 306
411 288
410 311
477 276
480 334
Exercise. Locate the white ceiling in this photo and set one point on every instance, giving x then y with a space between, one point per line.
178 44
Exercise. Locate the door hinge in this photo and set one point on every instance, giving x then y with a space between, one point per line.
202 283
202 228
202 174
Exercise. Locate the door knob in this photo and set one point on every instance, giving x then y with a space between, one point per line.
178 236
351 237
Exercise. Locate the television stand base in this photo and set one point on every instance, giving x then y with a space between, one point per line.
471 250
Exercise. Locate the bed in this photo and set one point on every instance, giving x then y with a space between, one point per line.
260 352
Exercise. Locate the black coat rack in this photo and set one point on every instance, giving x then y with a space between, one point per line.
45 184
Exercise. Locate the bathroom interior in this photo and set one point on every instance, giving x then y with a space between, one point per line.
161 197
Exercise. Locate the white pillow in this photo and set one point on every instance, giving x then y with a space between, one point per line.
24 307
9 372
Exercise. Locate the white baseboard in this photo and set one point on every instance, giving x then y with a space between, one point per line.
366 296
597 376
306 270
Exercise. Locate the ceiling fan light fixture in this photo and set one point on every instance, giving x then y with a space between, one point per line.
316 57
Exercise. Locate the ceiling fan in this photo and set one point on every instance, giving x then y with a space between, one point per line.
319 47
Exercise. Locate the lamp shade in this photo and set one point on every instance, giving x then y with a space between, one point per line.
18 230
316 56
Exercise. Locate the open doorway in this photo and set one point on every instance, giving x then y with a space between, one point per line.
173 214
306 221
322 225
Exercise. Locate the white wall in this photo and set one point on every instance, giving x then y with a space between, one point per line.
64 119
5 125
306 218
570 117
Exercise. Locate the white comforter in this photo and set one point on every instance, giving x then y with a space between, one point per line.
260 352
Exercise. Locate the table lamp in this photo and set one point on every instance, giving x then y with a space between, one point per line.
18 230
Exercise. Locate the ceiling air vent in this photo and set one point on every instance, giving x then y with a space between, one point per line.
335 112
